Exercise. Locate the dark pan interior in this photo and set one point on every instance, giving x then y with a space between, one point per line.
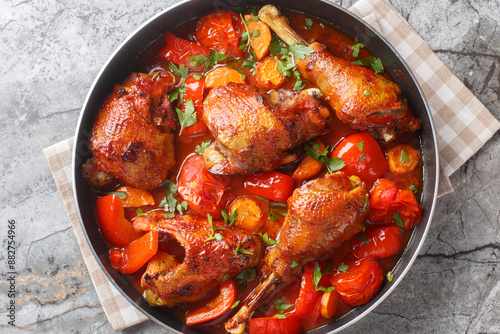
116 69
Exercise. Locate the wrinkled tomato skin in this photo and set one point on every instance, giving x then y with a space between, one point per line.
369 164
382 242
360 283
202 190
220 31
272 185
273 325
386 199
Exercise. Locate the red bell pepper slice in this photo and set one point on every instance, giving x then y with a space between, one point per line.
132 257
275 325
272 185
308 303
378 242
217 306
114 226
178 50
194 92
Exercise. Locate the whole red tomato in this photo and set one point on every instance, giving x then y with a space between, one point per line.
272 185
378 242
220 31
362 156
360 281
275 325
202 190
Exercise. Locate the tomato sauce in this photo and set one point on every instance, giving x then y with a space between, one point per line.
340 44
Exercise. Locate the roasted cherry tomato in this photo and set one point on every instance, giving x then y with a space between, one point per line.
132 257
194 92
360 282
386 200
272 185
114 226
378 242
220 31
202 190
362 156
308 304
178 50
217 306
275 325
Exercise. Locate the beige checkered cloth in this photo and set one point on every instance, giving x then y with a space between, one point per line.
463 125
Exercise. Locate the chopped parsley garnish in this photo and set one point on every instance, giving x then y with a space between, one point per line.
225 278
276 210
286 61
168 215
322 25
404 156
170 202
267 240
263 308
398 220
140 212
364 239
294 264
214 236
236 303
250 61
390 276
119 194
355 49
197 76
332 164
343 267
202 147
413 188
362 157
209 61
245 275
317 277
188 117
277 46
375 63
230 219
365 204
367 92
280 305
309 24
361 145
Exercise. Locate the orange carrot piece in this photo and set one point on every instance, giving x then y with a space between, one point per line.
267 74
249 214
309 167
260 43
136 197
221 76
403 159
329 304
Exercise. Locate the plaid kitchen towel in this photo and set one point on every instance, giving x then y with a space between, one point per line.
462 123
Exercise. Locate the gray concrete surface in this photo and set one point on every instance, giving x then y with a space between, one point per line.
50 52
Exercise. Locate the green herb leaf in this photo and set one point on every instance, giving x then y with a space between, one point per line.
317 274
140 212
343 267
332 164
356 48
280 305
413 188
119 194
168 215
364 239
328 290
365 204
202 147
234 217
328 268
181 71
375 63
390 276
360 145
398 220
404 156
225 278
245 275
209 61
322 25
362 157
309 24
263 308
236 303
197 76
300 51
277 45
216 236
188 117
276 209
267 240
367 92
280 316
294 264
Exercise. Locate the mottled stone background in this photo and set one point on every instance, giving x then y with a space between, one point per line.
50 52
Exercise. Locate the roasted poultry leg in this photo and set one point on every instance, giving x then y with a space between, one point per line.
359 96
206 261
322 213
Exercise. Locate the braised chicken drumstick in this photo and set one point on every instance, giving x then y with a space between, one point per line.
322 213
359 96
131 139
206 261
257 131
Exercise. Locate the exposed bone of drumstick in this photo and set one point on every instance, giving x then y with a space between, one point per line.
238 322
271 16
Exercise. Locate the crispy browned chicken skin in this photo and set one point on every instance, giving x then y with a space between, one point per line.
256 131
131 139
322 213
206 262
359 96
